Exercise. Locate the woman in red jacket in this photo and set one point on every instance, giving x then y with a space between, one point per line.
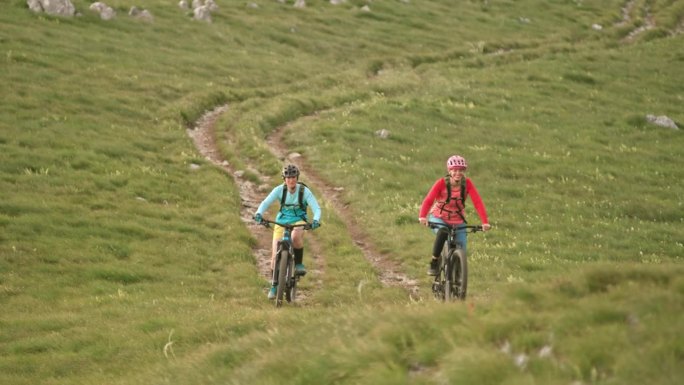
445 203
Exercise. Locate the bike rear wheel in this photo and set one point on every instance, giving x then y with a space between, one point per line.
460 282
282 277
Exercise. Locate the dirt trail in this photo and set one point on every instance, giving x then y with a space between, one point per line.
251 195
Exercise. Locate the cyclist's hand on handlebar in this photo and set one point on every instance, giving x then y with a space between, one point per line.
258 218
486 226
423 221
315 225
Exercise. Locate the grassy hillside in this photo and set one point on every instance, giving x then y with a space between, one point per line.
122 264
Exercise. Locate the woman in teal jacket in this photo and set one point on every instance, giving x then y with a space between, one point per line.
294 198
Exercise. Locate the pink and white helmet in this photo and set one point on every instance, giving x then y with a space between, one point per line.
457 161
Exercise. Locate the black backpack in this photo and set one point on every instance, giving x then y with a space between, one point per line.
302 204
447 180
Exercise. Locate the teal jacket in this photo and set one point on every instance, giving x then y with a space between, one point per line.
291 212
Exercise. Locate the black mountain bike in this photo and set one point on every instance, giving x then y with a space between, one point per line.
284 274
452 279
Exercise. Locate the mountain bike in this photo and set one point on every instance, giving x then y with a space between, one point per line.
452 279
284 274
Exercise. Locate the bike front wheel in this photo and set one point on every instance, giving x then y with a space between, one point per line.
460 276
441 287
449 277
282 277
291 289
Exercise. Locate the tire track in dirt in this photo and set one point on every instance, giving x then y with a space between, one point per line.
388 271
204 138
627 9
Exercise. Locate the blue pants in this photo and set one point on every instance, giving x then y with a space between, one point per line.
441 236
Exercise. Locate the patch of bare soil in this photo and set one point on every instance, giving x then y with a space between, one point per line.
203 135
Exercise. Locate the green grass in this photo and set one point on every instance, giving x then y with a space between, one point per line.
121 264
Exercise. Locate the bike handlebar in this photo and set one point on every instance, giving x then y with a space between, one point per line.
267 222
467 228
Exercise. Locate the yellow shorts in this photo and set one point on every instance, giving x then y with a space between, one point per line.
279 231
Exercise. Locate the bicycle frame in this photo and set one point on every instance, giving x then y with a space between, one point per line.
284 271
452 279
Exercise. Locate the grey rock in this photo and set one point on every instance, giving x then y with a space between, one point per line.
662 121
52 7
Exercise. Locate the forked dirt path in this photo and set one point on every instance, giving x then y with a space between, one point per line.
203 135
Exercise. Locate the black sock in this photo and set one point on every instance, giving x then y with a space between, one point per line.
299 255
439 243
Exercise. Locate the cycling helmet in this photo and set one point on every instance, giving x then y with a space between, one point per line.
457 161
290 170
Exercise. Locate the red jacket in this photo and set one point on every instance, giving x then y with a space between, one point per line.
449 212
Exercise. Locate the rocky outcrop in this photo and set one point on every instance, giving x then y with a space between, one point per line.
141 14
52 7
203 11
106 12
662 121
